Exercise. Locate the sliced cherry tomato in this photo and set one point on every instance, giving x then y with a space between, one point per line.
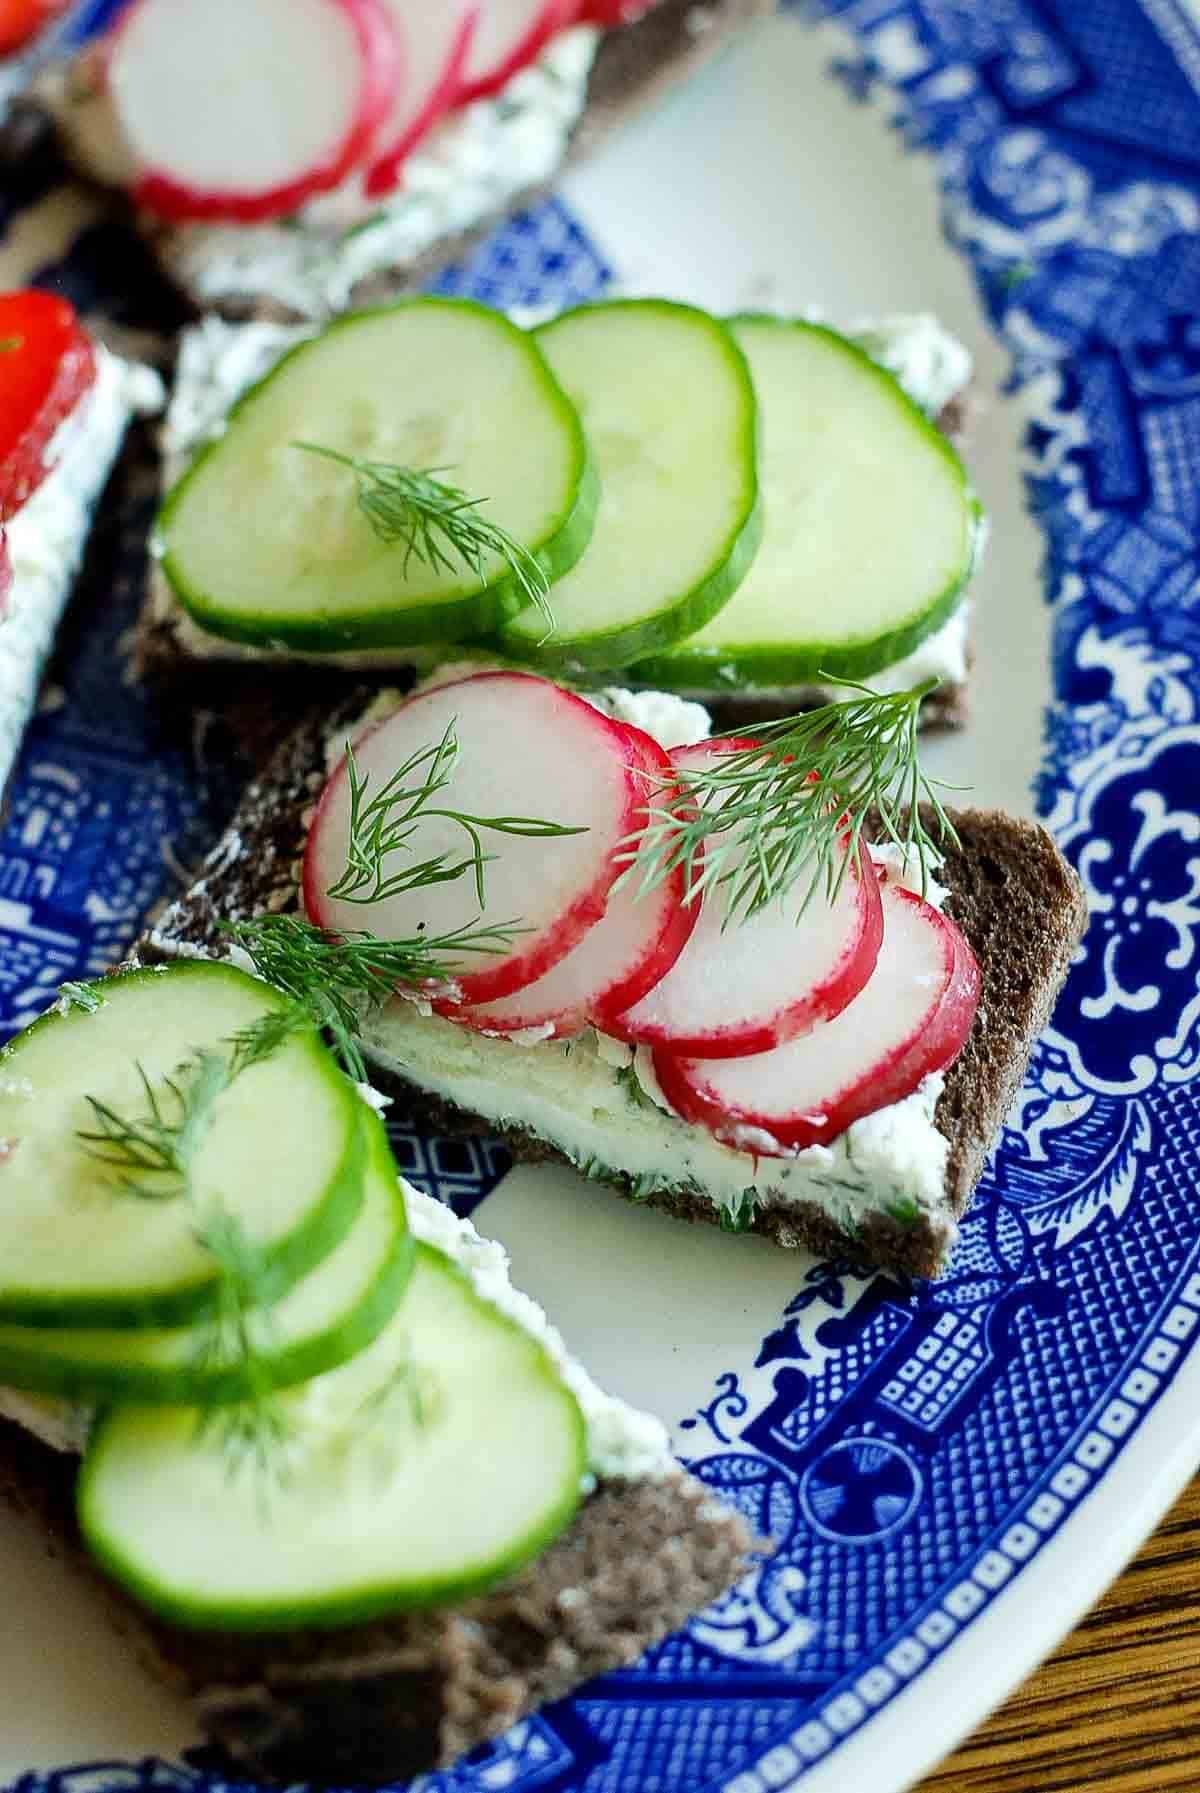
47 363
21 20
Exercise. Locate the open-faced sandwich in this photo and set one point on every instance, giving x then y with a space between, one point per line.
340 1482
65 404
736 511
717 974
291 157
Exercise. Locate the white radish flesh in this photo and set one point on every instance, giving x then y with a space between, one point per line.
910 1020
243 109
620 958
761 979
511 35
526 748
434 45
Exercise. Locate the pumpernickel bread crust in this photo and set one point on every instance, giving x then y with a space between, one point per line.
372 1704
1012 893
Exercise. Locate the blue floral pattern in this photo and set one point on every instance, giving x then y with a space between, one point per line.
908 1451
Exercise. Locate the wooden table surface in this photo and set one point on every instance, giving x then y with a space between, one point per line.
1116 1709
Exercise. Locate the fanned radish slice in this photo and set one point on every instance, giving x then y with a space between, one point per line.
749 986
434 45
511 34
526 748
243 109
620 958
911 1019
47 364
6 576
610 13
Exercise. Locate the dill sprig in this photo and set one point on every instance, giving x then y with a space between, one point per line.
238 1331
759 820
437 523
338 978
163 1142
385 824
80 996
404 1391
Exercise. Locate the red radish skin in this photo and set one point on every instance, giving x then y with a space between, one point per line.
527 748
608 14
911 1020
511 35
168 86
434 45
47 364
683 916
749 987
620 958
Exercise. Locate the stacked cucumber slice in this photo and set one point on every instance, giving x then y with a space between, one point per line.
709 504
670 413
74 1254
446 1454
871 529
205 1237
265 541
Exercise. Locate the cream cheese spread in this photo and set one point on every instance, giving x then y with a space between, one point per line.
570 1094
932 365
473 165
621 1441
47 536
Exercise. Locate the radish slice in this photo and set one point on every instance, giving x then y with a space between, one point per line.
526 748
434 45
511 34
6 576
610 13
911 1019
749 986
632 946
243 109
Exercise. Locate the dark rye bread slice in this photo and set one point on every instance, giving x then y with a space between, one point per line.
374 1704
1015 897
634 64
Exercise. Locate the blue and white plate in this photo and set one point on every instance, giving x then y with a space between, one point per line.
951 1475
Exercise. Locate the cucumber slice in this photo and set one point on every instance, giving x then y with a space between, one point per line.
871 525
669 408
389 1499
283 1155
327 1317
266 544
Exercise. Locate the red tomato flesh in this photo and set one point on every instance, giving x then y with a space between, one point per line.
47 363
